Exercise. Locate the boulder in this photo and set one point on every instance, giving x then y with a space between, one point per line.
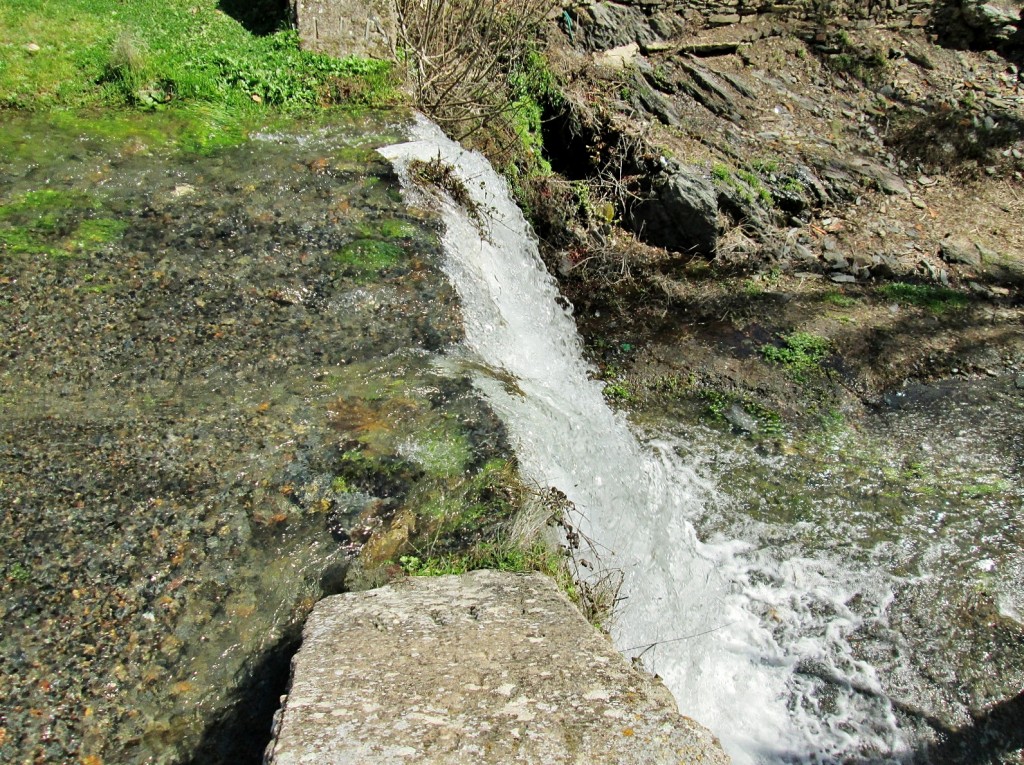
482 668
346 27
603 26
959 251
681 211
996 21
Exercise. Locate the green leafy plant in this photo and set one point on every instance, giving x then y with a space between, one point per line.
19 573
801 354
935 299
839 300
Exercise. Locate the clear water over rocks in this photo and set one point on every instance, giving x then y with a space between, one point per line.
224 375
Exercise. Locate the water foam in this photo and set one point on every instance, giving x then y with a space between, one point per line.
727 627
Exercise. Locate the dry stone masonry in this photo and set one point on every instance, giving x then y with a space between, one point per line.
482 668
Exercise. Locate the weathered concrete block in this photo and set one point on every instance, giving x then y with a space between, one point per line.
480 668
346 27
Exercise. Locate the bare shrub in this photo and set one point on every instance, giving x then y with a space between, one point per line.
460 54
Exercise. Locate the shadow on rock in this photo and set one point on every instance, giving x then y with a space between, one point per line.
991 736
261 17
241 734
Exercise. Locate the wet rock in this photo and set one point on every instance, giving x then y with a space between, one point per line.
681 211
486 667
737 416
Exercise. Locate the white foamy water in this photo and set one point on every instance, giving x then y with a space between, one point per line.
725 626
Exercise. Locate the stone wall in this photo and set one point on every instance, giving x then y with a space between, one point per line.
716 13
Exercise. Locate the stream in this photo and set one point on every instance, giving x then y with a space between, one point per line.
790 625
226 374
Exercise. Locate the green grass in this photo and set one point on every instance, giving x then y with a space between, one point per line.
801 354
158 54
839 300
747 184
499 556
935 299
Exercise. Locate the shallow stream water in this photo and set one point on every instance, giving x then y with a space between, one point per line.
219 376
223 374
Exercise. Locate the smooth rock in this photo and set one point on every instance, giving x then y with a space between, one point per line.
482 668
346 27
618 58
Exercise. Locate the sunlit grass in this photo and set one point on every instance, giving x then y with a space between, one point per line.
153 54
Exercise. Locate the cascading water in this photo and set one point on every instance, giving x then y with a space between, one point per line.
724 628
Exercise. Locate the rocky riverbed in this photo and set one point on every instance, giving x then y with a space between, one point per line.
219 382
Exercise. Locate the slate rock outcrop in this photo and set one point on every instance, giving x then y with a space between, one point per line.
681 213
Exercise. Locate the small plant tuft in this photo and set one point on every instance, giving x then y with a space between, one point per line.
935 299
801 354
442 175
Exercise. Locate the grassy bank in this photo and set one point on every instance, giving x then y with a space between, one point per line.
220 70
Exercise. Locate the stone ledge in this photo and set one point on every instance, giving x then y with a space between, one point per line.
480 668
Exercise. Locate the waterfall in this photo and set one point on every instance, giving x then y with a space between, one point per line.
635 500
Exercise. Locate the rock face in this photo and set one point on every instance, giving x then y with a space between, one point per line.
346 27
681 213
997 21
480 668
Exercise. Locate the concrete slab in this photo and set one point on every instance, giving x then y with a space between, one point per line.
481 668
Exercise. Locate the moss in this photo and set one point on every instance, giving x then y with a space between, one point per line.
388 228
366 257
443 450
99 231
43 222
45 206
